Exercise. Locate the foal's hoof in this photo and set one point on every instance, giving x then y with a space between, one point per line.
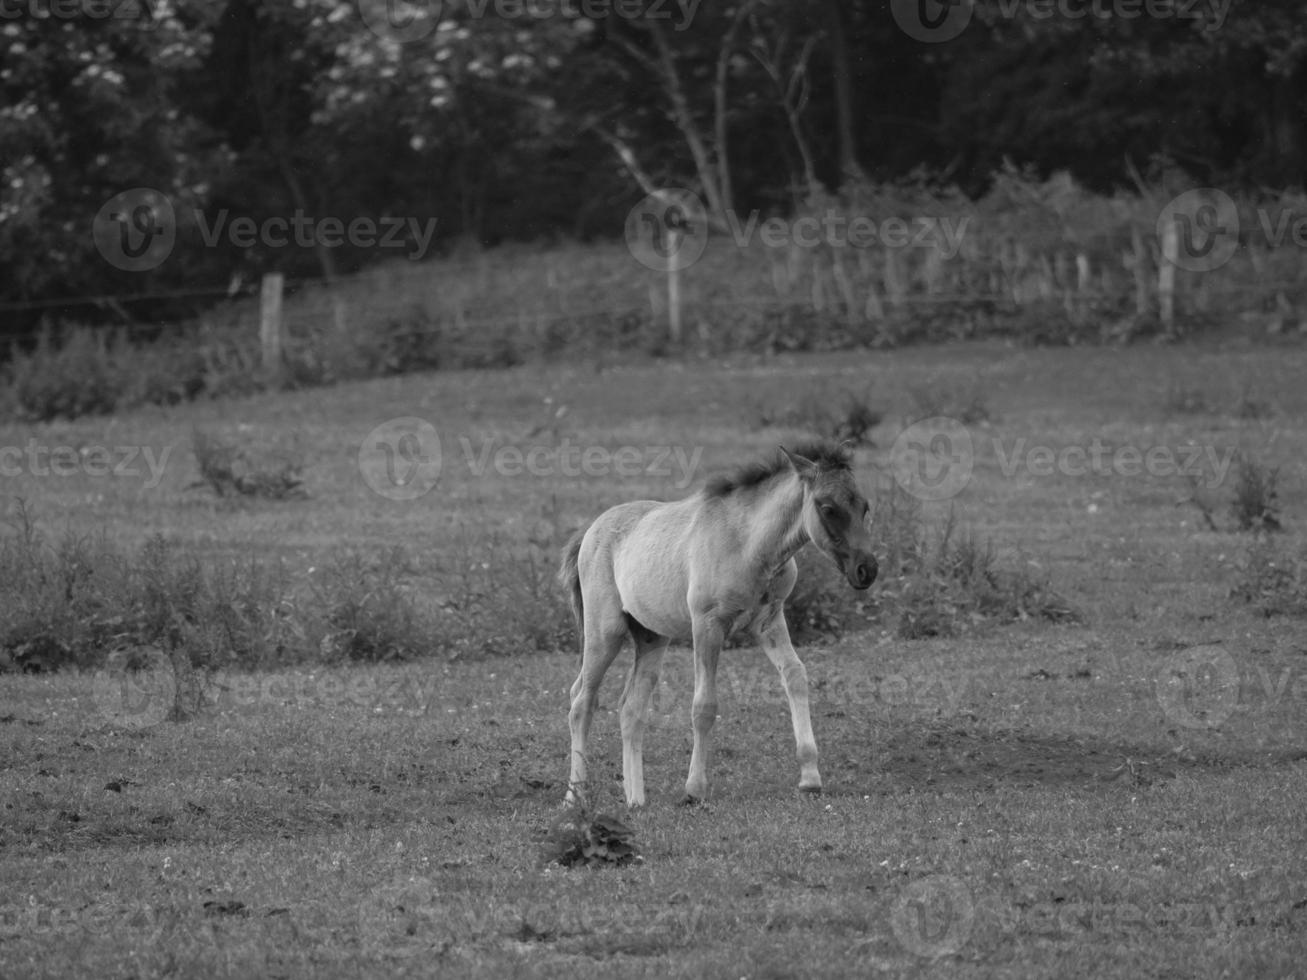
688 800
810 790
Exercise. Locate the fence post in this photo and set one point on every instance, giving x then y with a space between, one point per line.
1166 275
270 325
1136 261
674 236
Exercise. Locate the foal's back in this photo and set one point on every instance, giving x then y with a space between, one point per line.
644 544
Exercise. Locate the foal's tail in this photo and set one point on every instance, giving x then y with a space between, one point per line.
569 577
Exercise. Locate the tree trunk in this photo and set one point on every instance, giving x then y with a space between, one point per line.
326 261
721 105
684 120
1288 142
842 76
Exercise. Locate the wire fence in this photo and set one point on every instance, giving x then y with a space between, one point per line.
484 296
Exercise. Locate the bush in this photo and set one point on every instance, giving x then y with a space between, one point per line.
84 372
364 613
847 418
227 468
945 587
505 600
1255 505
71 601
1273 582
964 402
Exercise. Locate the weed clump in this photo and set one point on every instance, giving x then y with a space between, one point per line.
365 614
583 837
942 586
849 420
1273 581
957 582
1256 504
228 469
71 601
964 403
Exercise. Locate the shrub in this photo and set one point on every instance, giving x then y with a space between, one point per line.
1184 399
83 372
950 399
227 468
70 601
1255 505
959 582
366 614
505 599
849 418
1273 582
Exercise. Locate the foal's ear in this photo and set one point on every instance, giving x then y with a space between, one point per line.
805 467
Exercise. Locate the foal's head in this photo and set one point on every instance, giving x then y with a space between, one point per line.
835 513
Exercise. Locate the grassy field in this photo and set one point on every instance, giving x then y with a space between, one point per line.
1122 797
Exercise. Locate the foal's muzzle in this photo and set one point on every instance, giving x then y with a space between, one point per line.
861 572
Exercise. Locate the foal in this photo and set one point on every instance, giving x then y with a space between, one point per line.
700 569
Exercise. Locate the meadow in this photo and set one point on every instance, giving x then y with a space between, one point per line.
1117 793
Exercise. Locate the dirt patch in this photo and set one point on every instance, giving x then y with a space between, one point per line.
949 760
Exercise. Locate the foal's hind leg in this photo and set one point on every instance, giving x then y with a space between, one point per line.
635 713
604 633
775 640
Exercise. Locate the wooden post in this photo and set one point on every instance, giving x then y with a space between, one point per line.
1166 275
1137 262
895 290
674 237
270 325
1083 273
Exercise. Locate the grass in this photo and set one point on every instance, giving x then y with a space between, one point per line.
228 468
1021 798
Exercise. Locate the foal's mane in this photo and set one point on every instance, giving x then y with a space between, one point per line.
826 455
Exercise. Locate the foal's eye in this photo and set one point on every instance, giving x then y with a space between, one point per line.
828 510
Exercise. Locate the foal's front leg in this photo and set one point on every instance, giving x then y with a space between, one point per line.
775 640
708 637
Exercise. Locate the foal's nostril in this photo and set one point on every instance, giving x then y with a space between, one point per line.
866 572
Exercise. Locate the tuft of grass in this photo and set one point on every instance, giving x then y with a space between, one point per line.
1256 503
945 587
957 583
848 419
82 372
504 599
966 403
367 615
1273 581
228 469
1188 399
1252 408
73 600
